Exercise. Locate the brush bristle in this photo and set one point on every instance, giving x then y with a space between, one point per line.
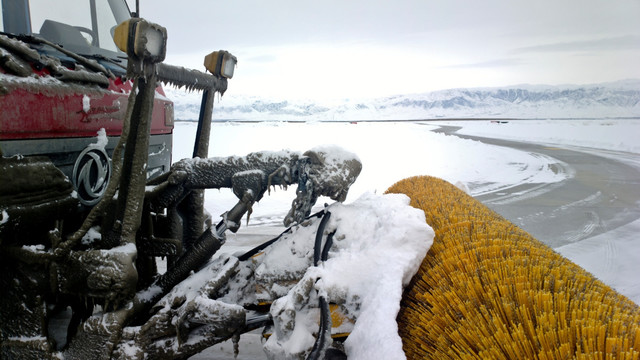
487 289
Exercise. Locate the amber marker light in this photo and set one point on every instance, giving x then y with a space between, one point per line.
221 63
141 39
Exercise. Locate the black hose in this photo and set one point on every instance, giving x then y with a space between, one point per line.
320 346
259 248
317 248
327 246
256 322
320 254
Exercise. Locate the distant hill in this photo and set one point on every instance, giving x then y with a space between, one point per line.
615 99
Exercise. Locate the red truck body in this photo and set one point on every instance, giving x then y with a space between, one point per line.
61 117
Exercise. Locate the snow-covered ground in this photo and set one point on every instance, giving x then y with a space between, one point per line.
619 135
389 152
392 151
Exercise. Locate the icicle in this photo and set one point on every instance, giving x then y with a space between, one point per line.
249 212
236 344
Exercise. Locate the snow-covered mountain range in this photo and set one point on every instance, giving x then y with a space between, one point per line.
615 99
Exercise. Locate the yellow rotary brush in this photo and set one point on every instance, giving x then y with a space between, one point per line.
489 290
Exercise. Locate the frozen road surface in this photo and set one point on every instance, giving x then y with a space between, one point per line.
592 217
600 194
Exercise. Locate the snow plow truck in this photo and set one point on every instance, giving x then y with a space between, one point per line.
91 202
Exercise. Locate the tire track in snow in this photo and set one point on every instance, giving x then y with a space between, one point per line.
611 254
531 185
592 224
589 200
528 193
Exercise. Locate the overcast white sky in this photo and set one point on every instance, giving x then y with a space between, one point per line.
365 48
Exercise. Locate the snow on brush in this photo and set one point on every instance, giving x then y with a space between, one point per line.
378 246
384 258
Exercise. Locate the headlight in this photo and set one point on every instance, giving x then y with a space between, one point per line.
221 63
141 39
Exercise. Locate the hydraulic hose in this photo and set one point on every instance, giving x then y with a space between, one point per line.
259 248
324 333
320 254
327 246
317 248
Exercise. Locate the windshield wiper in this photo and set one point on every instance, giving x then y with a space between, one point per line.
88 63
115 61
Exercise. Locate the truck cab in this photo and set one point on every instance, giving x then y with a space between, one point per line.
64 90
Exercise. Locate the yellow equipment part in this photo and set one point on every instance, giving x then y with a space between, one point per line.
341 324
220 63
488 290
121 36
